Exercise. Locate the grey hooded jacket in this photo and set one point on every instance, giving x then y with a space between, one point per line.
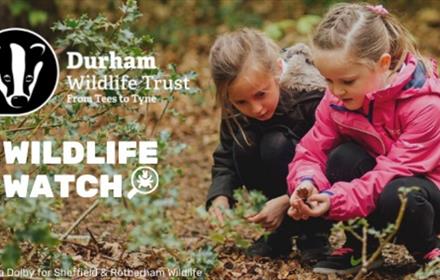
302 88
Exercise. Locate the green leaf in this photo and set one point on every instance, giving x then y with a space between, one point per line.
307 23
66 262
42 235
242 243
274 31
217 238
17 7
10 255
37 17
72 23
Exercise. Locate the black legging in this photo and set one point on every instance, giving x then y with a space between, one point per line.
264 166
421 223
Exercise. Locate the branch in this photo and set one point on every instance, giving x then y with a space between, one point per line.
364 268
355 234
161 114
376 254
18 129
44 119
80 219
48 115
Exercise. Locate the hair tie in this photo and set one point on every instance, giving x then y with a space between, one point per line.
378 9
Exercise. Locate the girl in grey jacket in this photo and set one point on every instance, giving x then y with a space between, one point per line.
268 105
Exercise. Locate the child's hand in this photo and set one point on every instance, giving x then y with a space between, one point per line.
321 204
272 214
219 203
299 199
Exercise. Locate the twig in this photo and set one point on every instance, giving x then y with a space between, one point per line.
49 114
32 253
43 120
122 255
110 258
93 237
79 220
92 249
153 130
77 244
23 121
19 129
172 253
364 268
89 265
60 50
382 244
74 237
354 233
147 105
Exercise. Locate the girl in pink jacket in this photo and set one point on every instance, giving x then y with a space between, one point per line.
377 130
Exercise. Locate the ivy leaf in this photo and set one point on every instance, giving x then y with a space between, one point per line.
217 238
72 23
306 23
37 17
274 31
41 235
10 256
17 7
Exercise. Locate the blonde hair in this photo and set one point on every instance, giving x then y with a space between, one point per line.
366 34
231 54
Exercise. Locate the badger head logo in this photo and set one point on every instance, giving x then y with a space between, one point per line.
28 71
17 85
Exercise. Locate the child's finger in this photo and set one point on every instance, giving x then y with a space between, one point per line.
248 217
319 198
294 202
301 206
219 215
271 227
291 211
319 209
256 218
267 226
306 211
294 213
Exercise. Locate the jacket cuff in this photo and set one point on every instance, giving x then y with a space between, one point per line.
321 186
337 205
212 195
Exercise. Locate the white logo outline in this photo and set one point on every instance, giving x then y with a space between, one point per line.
135 181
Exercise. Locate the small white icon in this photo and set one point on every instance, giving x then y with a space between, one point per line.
144 180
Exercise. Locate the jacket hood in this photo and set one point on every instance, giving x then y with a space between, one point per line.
413 80
299 73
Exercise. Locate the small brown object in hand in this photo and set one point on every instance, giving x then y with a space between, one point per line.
304 194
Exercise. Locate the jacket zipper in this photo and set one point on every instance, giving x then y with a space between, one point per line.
370 111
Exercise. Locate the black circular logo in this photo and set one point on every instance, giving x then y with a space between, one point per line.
28 71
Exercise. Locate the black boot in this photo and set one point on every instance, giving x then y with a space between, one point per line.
275 245
278 244
313 247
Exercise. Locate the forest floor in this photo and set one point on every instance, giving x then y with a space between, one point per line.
199 130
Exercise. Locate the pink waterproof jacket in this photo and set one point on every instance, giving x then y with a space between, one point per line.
399 126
